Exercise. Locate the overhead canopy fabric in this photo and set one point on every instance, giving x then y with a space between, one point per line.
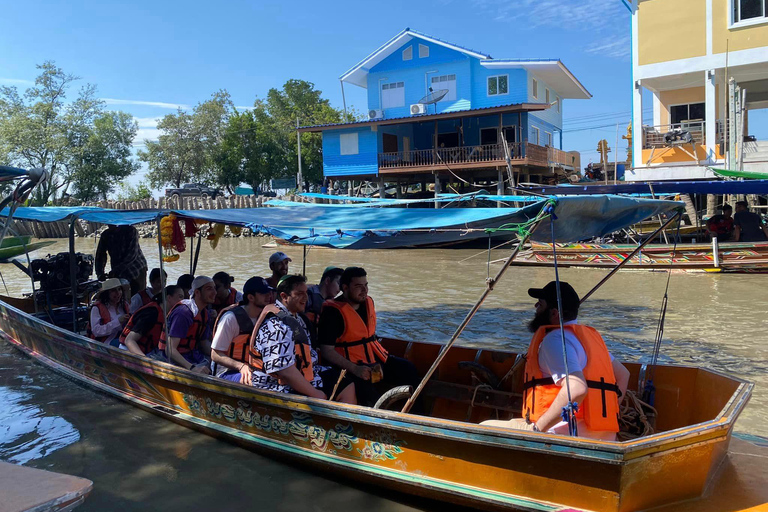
577 218
660 187
9 173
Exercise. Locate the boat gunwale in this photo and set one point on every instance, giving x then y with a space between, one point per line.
613 452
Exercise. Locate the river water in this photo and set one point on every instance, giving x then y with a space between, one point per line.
141 462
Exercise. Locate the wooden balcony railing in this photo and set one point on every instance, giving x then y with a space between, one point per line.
656 136
558 157
487 153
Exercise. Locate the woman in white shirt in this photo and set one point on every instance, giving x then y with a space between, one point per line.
109 313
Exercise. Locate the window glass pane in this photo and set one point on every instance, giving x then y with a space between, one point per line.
751 9
678 114
348 144
492 89
503 85
696 111
535 89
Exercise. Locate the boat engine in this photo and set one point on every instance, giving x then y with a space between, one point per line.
53 272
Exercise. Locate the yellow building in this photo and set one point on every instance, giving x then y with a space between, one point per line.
681 50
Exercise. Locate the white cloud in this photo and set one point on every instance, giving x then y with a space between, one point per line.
147 130
159 104
602 25
16 81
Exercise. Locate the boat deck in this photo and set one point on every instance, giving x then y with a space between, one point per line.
29 489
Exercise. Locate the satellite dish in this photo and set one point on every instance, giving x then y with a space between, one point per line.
434 97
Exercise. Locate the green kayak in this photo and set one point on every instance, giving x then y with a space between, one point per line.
11 251
727 173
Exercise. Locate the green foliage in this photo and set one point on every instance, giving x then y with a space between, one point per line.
129 193
187 150
73 141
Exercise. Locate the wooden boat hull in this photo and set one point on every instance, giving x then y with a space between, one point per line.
733 257
444 459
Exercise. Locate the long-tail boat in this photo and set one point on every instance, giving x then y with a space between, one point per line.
730 257
443 453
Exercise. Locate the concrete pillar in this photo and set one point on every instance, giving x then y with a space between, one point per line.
437 189
398 190
382 187
500 186
710 115
637 125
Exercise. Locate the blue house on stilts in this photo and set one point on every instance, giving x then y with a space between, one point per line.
439 112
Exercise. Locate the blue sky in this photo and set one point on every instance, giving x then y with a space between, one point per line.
147 58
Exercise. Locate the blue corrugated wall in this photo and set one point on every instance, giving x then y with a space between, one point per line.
365 162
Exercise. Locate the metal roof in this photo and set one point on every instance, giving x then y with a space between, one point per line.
514 107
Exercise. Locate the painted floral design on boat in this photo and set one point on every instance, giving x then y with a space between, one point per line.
301 429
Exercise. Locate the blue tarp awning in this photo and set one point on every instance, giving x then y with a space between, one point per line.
660 187
577 218
9 173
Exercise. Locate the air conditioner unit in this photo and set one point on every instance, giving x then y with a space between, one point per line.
418 108
375 114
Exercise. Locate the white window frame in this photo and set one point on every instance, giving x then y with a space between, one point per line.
537 131
546 96
733 23
548 140
451 96
487 89
391 86
558 100
408 53
535 88
423 51
349 143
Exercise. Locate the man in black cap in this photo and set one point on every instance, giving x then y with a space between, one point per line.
595 379
232 332
226 294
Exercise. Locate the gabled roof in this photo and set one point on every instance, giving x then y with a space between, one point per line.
357 75
551 71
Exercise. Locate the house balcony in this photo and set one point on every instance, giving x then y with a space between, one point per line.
469 157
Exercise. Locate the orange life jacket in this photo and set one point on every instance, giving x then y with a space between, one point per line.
145 297
600 408
105 319
194 334
148 342
301 343
238 349
231 299
358 342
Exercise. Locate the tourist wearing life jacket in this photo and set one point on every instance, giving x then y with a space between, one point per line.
145 295
347 340
317 294
278 264
141 334
185 281
233 329
109 313
281 354
596 380
226 295
189 328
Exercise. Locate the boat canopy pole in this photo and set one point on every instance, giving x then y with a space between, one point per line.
73 271
633 254
162 272
525 233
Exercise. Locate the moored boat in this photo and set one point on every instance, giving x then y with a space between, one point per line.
732 257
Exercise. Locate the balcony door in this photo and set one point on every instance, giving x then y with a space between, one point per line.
489 136
389 143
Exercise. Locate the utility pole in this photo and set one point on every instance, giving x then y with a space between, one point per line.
299 177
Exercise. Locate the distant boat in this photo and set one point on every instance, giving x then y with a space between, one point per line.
13 246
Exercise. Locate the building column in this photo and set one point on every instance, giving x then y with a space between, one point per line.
710 115
500 186
437 189
656 109
637 125
382 191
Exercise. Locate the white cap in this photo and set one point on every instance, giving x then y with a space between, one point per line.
199 282
278 257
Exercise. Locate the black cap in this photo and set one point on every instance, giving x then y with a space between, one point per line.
549 293
256 285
